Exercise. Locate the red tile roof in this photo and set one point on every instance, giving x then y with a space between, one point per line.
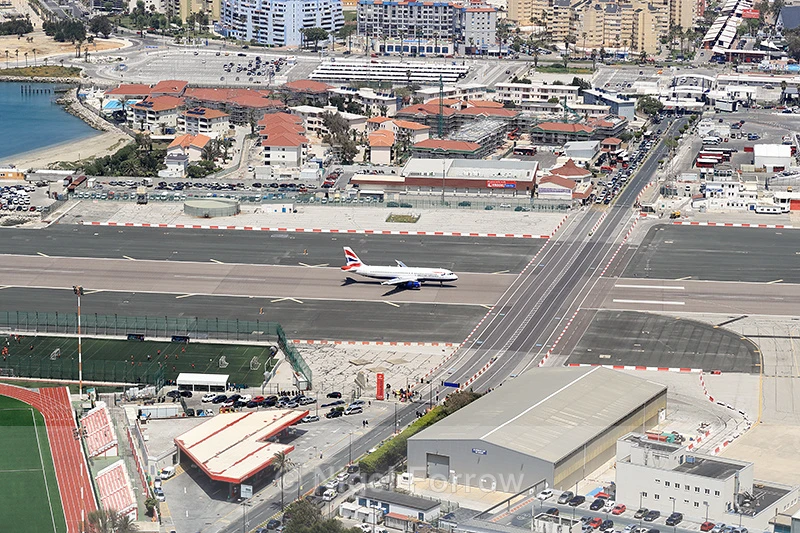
285 139
282 128
489 111
173 87
448 145
130 89
484 103
426 109
611 140
558 180
159 103
381 138
280 118
185 141
204 112
564 127
307 86
570 169
377 120
409 125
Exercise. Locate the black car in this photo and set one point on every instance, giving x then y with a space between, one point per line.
186 393
553 511
333 404
352 469
577 500
234 397
273 524
220 399
607 524
599 503
252 404
652 515
674 519
174 394
334 414
334 394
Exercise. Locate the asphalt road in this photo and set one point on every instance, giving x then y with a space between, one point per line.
718 254
316 320
460 254
634 338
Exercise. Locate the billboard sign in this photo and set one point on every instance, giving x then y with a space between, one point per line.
380 387
750 14
247 491
501 184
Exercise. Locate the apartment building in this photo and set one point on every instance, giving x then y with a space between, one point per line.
472 25
527 94
278 22
153 114
650 23
283 140
682 13
184 8
631 26
374 102
203 121
314 119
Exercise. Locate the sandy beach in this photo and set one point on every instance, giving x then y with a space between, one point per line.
100 145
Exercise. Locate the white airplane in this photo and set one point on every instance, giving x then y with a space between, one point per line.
400 275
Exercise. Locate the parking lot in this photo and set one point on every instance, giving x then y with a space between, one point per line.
21 198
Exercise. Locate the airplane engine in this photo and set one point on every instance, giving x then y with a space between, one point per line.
413 284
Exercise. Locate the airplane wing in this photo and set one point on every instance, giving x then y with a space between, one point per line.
400 263
399 280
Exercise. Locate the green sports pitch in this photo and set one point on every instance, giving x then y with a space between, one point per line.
28 486
134 361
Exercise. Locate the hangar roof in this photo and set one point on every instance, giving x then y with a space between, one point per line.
548 412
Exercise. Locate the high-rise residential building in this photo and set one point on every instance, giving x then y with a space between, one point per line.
650 23
682 13
278 22
184 8
557 17
632 26
474 25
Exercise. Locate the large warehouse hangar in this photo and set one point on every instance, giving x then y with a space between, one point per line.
548 426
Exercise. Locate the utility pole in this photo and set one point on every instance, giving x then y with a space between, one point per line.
78 290
444 176
441 108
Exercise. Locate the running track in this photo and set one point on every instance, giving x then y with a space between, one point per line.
71 468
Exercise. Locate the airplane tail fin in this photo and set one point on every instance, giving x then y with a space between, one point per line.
351 259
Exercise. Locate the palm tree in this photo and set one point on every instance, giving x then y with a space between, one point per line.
584 35
281 463
16 53
34 56
26 59
109 521
6 58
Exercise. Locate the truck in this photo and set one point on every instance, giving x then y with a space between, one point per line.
141 195
147 182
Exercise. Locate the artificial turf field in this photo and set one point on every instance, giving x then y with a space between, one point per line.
121 360
28 486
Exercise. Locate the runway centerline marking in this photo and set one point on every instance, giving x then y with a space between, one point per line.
295 300
487 306
321 265
648 302
774 281
183 296
501 272
665 287
43 255
128 258
217 262
387 302
5 287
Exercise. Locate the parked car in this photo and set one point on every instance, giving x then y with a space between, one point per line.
707 526
595 522
353 410
553 511
618 509
186 393
167 472
209 397
652 515
160 496
310 418
674 519
566 497
598 504
641 512
220 398
273 524
174 394
577 500
545 494
607 525
334 394
329 495
334 414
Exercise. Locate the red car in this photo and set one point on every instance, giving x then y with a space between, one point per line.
595 522
707 526
618 510
258 399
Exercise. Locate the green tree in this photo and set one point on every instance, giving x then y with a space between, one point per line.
307 518
314 35
101 26
345 33
281 463
649 106
581 83
108 521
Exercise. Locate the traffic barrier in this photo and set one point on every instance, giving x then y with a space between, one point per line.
638 367
731 225
371 343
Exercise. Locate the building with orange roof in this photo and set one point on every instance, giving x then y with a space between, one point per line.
405 131
212 123
283 140
571 170
128 91
428 114
607 126
557 188
560 132
240 104
381 143
446 149
611 144
155 113
169 88
307 91
374 123
189 145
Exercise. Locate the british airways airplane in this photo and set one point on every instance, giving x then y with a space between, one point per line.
400 275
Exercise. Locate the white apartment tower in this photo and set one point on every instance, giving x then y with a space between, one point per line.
278 22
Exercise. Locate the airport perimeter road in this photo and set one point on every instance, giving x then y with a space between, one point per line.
531 312
460 254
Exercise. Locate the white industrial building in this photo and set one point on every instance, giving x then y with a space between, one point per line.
278 22
582 152
202 382
548 426
660 475
772 157
526 94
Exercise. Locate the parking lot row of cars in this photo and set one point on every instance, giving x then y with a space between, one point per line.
607 190
17 198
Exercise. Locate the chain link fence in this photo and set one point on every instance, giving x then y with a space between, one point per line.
148 326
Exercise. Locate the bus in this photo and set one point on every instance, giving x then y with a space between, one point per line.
705 162
711 155
725 152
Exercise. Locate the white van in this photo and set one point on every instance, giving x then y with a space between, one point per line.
711 140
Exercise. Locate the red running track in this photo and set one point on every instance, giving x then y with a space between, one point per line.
71 468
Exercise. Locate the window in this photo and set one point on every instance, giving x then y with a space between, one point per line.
708 491
656 496
697 489
716 493
644 495
658 481
686 487
697 504
686 502
666 483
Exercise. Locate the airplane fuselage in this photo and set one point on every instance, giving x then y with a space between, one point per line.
392 272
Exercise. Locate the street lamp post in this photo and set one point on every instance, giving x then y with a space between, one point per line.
78 290
299 479
674 526
350 450
641 494
706 504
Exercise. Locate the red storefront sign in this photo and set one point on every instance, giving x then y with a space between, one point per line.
381 388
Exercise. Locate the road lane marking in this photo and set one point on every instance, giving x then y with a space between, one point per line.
774 281
93 291
665 287
684 278
183 296
128 258
43 255
487 306
217 262
5 287
390 303
321 265
501 272
648 302
295 300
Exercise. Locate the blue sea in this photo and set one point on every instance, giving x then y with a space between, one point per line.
30 121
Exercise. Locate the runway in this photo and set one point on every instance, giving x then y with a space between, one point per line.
719 254
460 254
